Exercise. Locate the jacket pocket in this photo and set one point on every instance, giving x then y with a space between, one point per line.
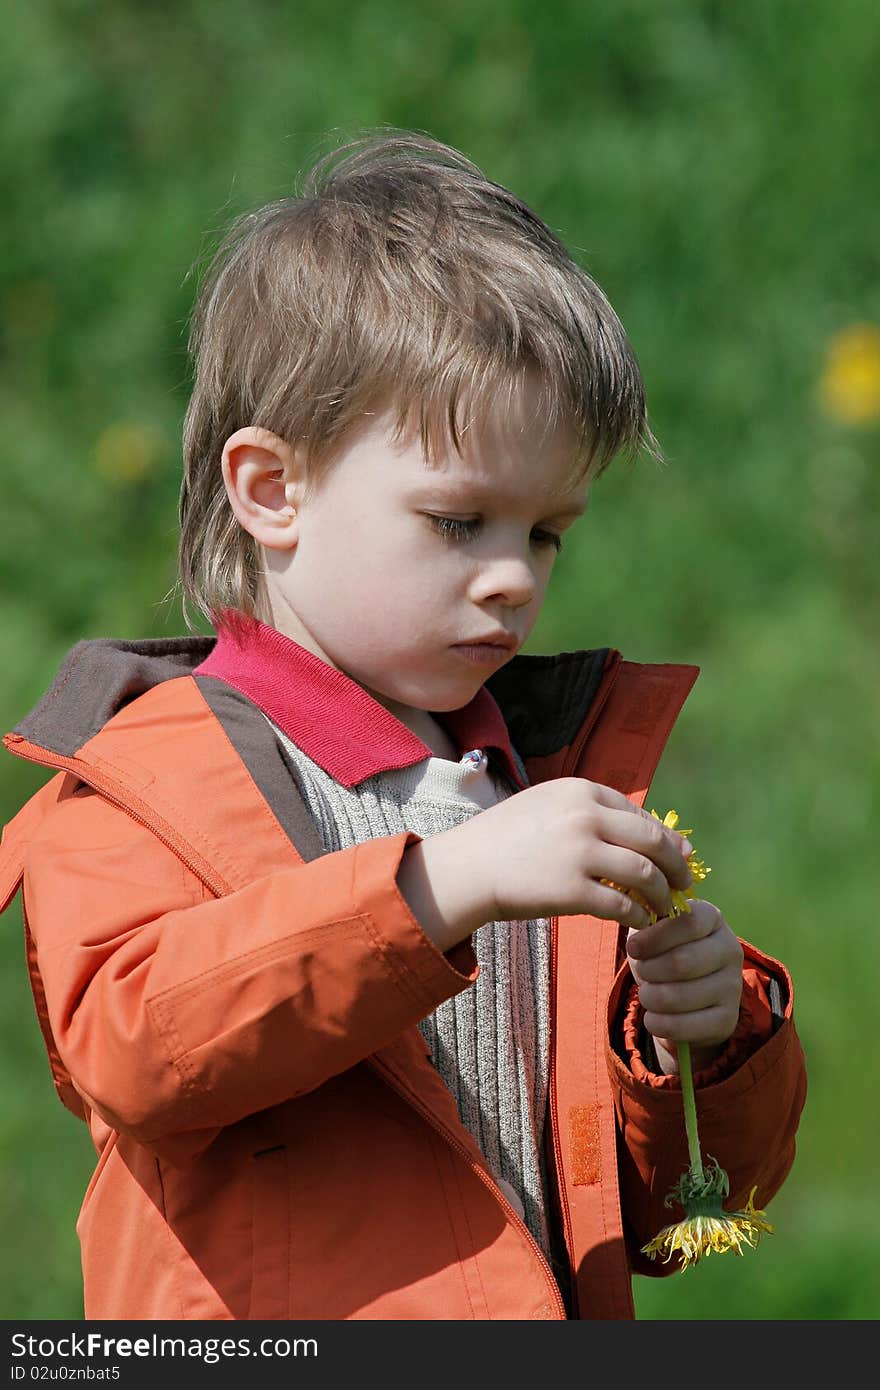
270 1283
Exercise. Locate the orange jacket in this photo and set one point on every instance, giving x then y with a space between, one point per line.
234 1015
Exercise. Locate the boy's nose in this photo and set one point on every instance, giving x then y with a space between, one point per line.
509 582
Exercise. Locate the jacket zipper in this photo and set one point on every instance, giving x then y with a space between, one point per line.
568 769
388 1075
565 1209
119 795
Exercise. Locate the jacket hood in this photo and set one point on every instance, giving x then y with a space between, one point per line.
543 698
99 677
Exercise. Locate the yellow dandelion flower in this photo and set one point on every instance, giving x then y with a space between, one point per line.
699 871
680 896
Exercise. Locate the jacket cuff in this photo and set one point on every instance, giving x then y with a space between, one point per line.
761 1013
439 975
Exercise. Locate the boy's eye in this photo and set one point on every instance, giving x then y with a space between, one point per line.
461 530
452 527
547 538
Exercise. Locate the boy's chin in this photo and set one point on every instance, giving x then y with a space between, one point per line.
446 702
438 697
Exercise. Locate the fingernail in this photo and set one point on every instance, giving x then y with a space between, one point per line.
687 847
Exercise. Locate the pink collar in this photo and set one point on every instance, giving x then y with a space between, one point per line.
329 716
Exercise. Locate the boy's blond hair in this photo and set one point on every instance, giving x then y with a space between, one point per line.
401 277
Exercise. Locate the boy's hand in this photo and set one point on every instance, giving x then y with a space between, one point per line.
689 973
544 852
556 849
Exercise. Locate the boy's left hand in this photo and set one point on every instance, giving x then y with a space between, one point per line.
689 973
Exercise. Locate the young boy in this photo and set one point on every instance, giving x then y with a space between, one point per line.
338 923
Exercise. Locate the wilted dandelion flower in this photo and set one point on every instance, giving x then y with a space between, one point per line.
706 1226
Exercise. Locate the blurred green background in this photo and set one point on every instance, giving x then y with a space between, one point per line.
714 166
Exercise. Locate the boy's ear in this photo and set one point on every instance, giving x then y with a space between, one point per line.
263 477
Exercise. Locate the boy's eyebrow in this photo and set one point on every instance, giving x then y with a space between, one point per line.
476 495
570 513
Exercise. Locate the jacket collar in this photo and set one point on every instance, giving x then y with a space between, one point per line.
547 703
335 722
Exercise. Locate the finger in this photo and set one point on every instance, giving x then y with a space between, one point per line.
721 989
692 961
669 933
632 872
613 905
706 1027
646 836
616 801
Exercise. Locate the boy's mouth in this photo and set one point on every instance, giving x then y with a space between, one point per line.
501 638
485 650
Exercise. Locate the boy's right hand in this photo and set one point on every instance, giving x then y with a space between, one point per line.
541 853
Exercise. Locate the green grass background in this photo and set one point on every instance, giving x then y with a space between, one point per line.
714 167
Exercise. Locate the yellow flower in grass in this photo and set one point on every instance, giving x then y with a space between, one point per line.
706 1226
850 384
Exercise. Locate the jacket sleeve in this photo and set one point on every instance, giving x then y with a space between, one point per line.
175 1011
749 1103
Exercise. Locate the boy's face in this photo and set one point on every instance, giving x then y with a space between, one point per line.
398 564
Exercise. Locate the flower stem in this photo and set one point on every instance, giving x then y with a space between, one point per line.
685 1071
